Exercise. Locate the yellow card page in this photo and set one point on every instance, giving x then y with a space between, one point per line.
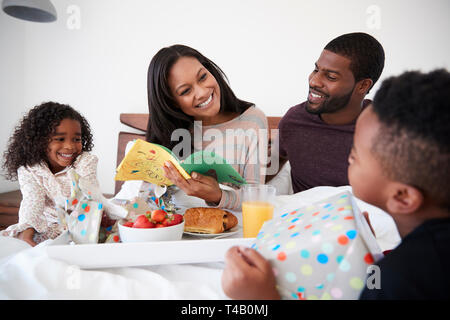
144 161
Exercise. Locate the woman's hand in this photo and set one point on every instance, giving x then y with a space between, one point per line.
27 236
248 276
204 187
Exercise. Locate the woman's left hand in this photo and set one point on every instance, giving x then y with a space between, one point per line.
204 187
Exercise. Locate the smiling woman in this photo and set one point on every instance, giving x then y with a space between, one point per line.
188 91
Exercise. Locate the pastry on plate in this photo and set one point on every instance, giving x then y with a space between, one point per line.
208 220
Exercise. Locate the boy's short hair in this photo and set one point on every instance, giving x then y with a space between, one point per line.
364 51
413 143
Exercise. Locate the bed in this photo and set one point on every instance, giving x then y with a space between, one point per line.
39 273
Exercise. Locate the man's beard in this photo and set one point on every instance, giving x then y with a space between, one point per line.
331 105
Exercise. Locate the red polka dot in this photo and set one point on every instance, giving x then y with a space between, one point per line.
368 258
308 226
343 240
281 256
87 209
293 212
341 209
348 218
316 213
301 296
116 238
75 201
290 227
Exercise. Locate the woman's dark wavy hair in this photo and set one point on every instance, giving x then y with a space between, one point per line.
29 142
165 116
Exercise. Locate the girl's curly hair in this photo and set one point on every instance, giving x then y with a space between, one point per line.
29 142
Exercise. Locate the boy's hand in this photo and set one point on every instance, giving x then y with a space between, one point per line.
204 187
27 236
247 275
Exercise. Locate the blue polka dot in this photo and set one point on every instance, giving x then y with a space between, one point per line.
304 253
293 220
299 215
153 198
320 286
344 196
351 234
276 247
327 205
276 235
81 217
339 259
322 258
300 289
84 205
290 277
135 205
284 215
316 232
109 228
83 232
325 217
294 295
253 246
260 235
100 206
295 234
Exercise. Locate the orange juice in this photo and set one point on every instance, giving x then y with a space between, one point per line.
254 214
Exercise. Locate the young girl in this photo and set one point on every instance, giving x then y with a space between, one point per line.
51 139
188 91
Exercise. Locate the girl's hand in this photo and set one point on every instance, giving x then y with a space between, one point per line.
27 236
203 187
248 276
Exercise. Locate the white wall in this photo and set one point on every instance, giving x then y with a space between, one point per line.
267 48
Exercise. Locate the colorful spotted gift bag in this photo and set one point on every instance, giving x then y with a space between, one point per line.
321 251
83 212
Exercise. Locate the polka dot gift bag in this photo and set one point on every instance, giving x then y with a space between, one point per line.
321 251
82 214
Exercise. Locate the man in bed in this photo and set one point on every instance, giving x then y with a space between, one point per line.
316 135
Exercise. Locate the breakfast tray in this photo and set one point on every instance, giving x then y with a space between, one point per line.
110 255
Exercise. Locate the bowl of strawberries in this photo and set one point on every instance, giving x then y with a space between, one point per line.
156 225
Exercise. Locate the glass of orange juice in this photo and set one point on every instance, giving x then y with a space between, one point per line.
257 207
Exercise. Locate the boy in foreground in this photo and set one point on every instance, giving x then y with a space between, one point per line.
400 163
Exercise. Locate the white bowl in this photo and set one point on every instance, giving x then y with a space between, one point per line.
171 233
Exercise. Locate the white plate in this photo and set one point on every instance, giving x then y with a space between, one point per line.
224 234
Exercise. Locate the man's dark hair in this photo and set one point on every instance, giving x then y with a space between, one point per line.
364 51
413 143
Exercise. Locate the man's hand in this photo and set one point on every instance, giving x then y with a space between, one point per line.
27 236
204 187
247 275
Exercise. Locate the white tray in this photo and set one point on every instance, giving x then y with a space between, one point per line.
109 255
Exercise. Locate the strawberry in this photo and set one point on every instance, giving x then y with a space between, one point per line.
143 222
167 222
172 219
177 218
160 225
128 224
158 215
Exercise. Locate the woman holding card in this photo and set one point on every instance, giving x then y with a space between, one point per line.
188 93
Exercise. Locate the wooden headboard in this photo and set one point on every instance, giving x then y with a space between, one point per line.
139 122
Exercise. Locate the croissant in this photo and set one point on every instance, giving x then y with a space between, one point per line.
208 220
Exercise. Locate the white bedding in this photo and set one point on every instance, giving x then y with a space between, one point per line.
28 273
